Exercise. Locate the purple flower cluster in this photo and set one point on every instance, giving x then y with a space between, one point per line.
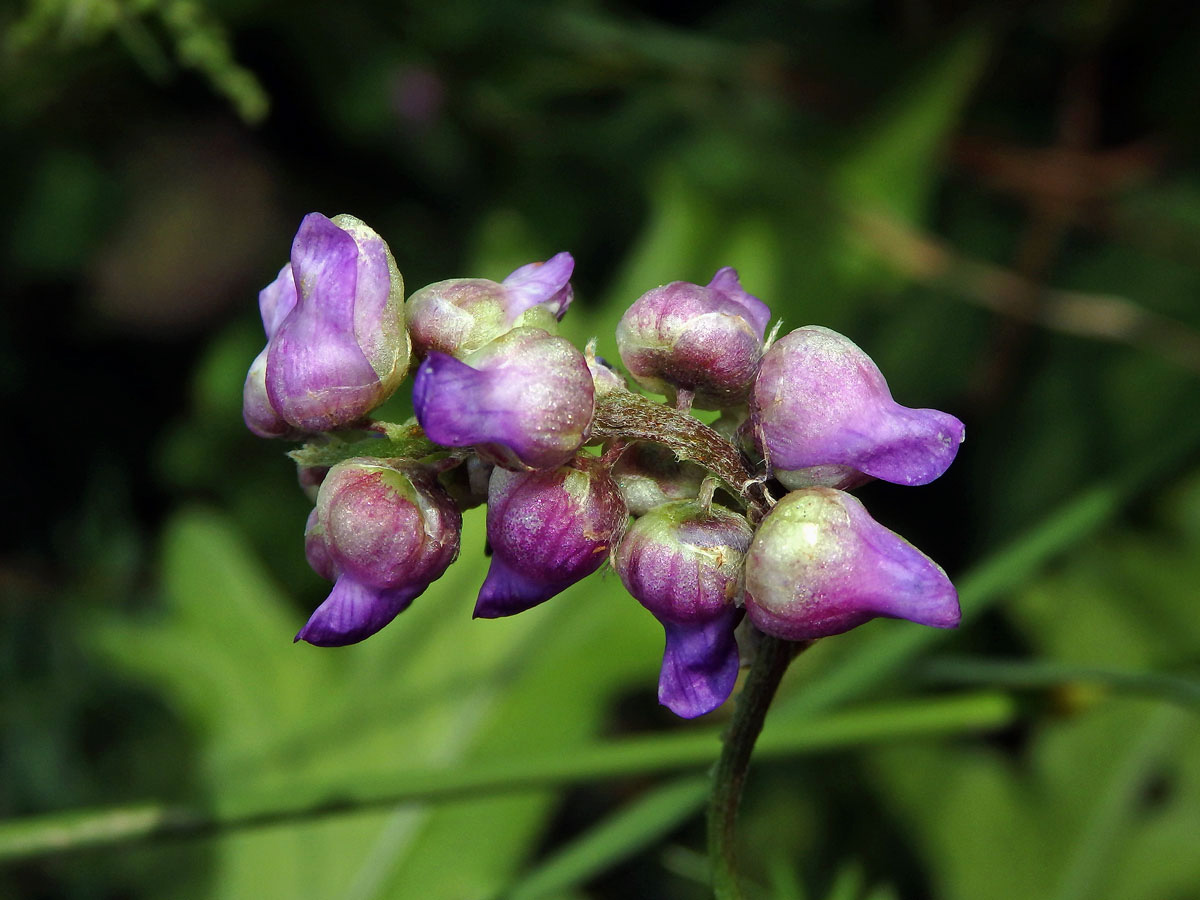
564 454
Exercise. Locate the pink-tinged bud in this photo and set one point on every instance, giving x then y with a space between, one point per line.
336 342
707 340
649 475
525 400
547 530
825 414
461 315
384 530
820 565
684 564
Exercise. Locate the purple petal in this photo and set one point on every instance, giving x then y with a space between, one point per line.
257 412
277 299
506 592
541 282
452 402
532 394
700 666
353 611
757 313
918 446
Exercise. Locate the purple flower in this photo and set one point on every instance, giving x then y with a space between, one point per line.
826 416
684 564
461 315
525 400
707 340
336 341
383 530
820 565
547 530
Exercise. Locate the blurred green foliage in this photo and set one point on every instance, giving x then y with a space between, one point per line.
1001 204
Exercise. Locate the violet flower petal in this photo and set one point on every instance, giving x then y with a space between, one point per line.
277 300
757 313
546 282
257 412
354 611
507 591
525 392
700 665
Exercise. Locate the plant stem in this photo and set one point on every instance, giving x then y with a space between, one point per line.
767 670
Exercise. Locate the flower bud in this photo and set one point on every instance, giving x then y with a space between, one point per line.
605 378
384 530
820 565
547 530
467 482
461 315
825 414
524 400
707 340
336 342
684 564
649 474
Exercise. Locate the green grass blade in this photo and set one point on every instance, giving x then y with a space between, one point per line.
634 756
1026 674
618 837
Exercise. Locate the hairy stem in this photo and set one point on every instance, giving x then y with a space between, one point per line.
624 414
767 670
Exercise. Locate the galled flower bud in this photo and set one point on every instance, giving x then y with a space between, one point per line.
820 565
649 475
336 342
525 400
547 530
461 315
684 564
384 530
825 414
707 340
